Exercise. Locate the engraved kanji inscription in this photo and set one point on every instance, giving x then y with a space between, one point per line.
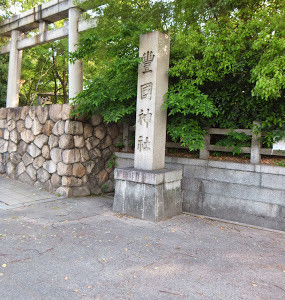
147 60
144 117
146 90
143 144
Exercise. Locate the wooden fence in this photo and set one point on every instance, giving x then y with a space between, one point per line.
255 150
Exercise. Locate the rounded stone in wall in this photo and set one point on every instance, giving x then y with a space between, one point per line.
47 129
43 175
53 141
37 127
33 150
78 170
20 126
63 169
27 136
41 140
28 122
55 180
46 152
66 141
55 112
95 120
32 172
100 132
56 155
27 159
38 162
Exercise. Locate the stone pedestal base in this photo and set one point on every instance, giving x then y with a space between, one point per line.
148 195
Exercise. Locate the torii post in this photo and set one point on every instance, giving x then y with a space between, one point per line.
39 17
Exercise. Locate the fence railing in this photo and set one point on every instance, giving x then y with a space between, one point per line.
255 150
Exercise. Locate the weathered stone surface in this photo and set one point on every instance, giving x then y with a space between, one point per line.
79 141
50 166
66 141
6 134
102 177
48 186
84 154
96 190
53 141
80 191
10 168
1 133
32 172
71 181
108 186
56 155
73 127
64 191
12 147
33 150
38 185
27 136
32 112
24 112
24 177
94 142
55 112
3 124
37 127
55 180
11 125
113 130
78 170
107 142
64 170
89 166
22 147
41 140
46 152
21 168
88 131
71 156
47 129
3 146
42 113
96 120
14 136
95 153
38 162
58 128
43 175
66 110
15 158
20 125
27 159
28 122
100 132
3 113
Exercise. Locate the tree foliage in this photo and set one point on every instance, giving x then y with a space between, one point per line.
227 64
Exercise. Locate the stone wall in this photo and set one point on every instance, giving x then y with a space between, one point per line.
46 147
247 193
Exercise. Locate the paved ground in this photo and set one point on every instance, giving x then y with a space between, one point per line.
16 194
79 249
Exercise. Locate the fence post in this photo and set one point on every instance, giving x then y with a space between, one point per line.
204 153
126 138
255 145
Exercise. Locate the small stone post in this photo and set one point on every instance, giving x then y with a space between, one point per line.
149 191
75 69
255 145
14 72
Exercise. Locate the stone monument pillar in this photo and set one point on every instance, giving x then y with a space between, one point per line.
75 69
149 191
14 71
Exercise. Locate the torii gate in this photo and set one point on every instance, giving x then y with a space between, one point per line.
39 17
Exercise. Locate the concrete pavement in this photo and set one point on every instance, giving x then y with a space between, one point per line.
79 249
